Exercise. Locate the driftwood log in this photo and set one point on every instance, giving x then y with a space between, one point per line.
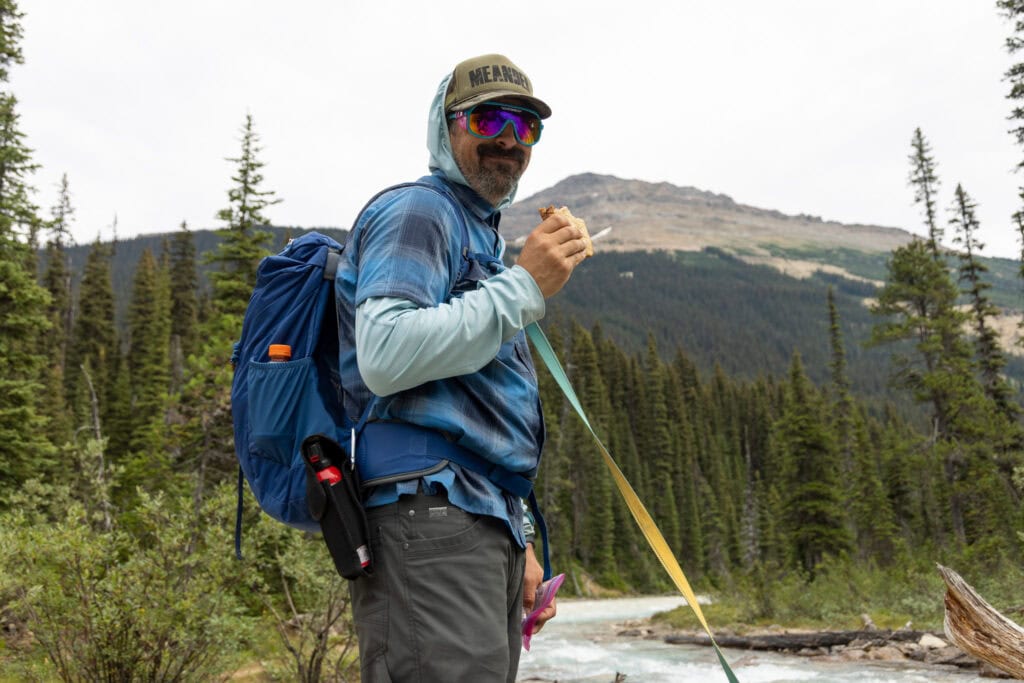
797 641
978 629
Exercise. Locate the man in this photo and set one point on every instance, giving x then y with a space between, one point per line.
436 327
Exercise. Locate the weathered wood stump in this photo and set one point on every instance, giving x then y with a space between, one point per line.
978 629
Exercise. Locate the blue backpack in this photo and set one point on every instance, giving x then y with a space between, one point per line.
276 405
279 407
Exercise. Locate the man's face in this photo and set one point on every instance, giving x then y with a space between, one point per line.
493 166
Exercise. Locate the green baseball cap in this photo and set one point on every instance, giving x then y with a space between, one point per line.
489 77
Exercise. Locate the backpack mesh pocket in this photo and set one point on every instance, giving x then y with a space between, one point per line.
284 408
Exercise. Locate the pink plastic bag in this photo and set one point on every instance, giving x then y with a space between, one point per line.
545 594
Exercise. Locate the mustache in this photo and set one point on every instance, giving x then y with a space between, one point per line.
494 150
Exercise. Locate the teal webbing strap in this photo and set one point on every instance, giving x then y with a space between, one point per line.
636 507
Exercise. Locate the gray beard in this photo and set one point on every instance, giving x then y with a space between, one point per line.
492 185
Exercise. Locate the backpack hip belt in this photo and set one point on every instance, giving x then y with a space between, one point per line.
388 452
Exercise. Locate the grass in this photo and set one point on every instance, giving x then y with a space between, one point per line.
840 594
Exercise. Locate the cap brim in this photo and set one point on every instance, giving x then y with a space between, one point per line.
538 105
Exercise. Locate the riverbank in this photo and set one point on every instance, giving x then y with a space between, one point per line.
595 640
904 647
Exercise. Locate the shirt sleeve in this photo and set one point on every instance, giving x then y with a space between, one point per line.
401 344
406 250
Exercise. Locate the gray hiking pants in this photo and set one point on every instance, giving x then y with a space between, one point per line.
445 601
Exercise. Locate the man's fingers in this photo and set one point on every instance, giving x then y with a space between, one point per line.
567 233
554 223
555 232
549 613
577 247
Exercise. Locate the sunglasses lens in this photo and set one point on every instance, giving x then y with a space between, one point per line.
488 121
528 129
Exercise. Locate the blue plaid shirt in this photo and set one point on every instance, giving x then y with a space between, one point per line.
407 245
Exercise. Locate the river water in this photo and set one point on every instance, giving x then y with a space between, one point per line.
580 645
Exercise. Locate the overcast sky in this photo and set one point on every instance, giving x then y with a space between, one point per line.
804 106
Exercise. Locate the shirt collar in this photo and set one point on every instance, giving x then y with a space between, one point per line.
480 207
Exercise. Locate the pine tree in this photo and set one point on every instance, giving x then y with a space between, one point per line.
633 561
117 412
93 343
591 484
243 243
19 213
184 301
870 515
692 549
917 305
10 37
205 435
713 530
57 280
991 359
843 402
774 546
23 320
656 448
57 277
1018 219
723 464
990 506
905 480
870 511
23 302
1013 10
925 183
814 513
149 323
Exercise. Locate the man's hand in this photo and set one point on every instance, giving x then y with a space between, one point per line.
532 578
550 253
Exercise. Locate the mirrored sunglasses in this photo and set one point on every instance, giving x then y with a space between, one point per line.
488 119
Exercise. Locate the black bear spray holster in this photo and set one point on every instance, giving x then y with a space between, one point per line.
332 491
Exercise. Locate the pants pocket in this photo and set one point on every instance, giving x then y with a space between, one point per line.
436 527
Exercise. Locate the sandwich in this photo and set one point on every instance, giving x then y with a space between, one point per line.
578 222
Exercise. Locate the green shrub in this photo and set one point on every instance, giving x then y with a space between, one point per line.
154 605
294 578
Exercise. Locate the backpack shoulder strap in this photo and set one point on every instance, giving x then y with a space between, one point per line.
456 205
331 265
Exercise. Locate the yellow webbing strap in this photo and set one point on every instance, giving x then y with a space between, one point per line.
636 507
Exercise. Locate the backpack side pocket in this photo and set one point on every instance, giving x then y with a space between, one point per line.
284 407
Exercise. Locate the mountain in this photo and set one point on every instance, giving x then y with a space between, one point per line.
651 216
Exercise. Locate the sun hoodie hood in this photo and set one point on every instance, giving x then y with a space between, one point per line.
440 146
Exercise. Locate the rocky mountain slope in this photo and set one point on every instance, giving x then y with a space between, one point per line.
650 216
663 217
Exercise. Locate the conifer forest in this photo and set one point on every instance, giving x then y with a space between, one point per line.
797 497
